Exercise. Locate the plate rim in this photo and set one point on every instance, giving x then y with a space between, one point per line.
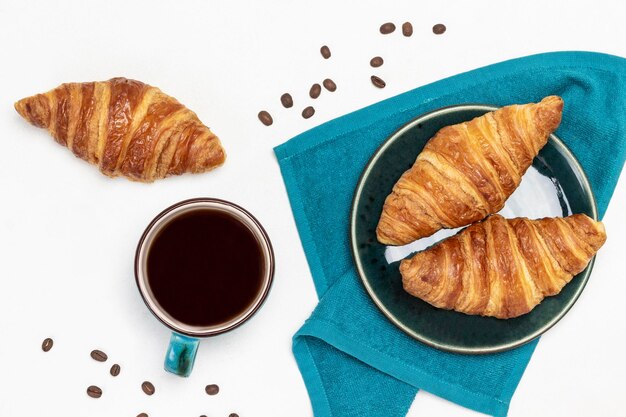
580 173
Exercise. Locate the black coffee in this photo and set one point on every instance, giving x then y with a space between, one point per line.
205 268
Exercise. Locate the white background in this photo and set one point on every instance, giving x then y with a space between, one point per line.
68 234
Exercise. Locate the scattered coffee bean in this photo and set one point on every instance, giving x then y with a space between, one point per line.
387 28
212 389
115 370
439 28
286 100
94 392
330 85
376 62
142 415
378 82
407 29
325 51
315 90
265 118
46 345
147 387
308 112
233 415
99 355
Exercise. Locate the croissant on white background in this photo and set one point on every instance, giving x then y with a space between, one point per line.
126 128
503 267
467 171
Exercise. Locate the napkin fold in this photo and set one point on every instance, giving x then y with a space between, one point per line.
353 360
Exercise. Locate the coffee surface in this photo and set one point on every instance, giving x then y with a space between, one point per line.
205 268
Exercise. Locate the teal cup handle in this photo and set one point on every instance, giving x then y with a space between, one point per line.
181 353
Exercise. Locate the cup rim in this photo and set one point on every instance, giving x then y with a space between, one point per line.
249 312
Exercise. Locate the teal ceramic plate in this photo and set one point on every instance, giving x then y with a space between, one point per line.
555 185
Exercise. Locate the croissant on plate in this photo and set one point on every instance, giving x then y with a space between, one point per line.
125 127
503 267
467 171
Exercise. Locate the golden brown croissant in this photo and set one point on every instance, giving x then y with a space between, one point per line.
467 171
126 127
503 268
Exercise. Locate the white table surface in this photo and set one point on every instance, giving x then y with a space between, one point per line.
68 234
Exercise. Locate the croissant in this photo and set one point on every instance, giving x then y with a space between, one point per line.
467 171
503 268
125 127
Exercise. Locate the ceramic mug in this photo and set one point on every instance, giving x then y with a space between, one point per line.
185 338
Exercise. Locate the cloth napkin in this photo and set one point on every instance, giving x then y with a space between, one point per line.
353 360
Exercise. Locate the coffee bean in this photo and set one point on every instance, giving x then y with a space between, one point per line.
308 112
325 51
147 387
315 90
142 415
265 118
439 28
378 82
212 389
407 29
286 100
203 415
99 355
115 370
330 85
387 28
94 392
46 345
376 62
233 415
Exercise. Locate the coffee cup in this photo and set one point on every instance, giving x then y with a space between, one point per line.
203 267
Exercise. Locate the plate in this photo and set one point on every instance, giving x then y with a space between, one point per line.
555 185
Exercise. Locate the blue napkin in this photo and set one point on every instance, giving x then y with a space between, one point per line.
353 360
